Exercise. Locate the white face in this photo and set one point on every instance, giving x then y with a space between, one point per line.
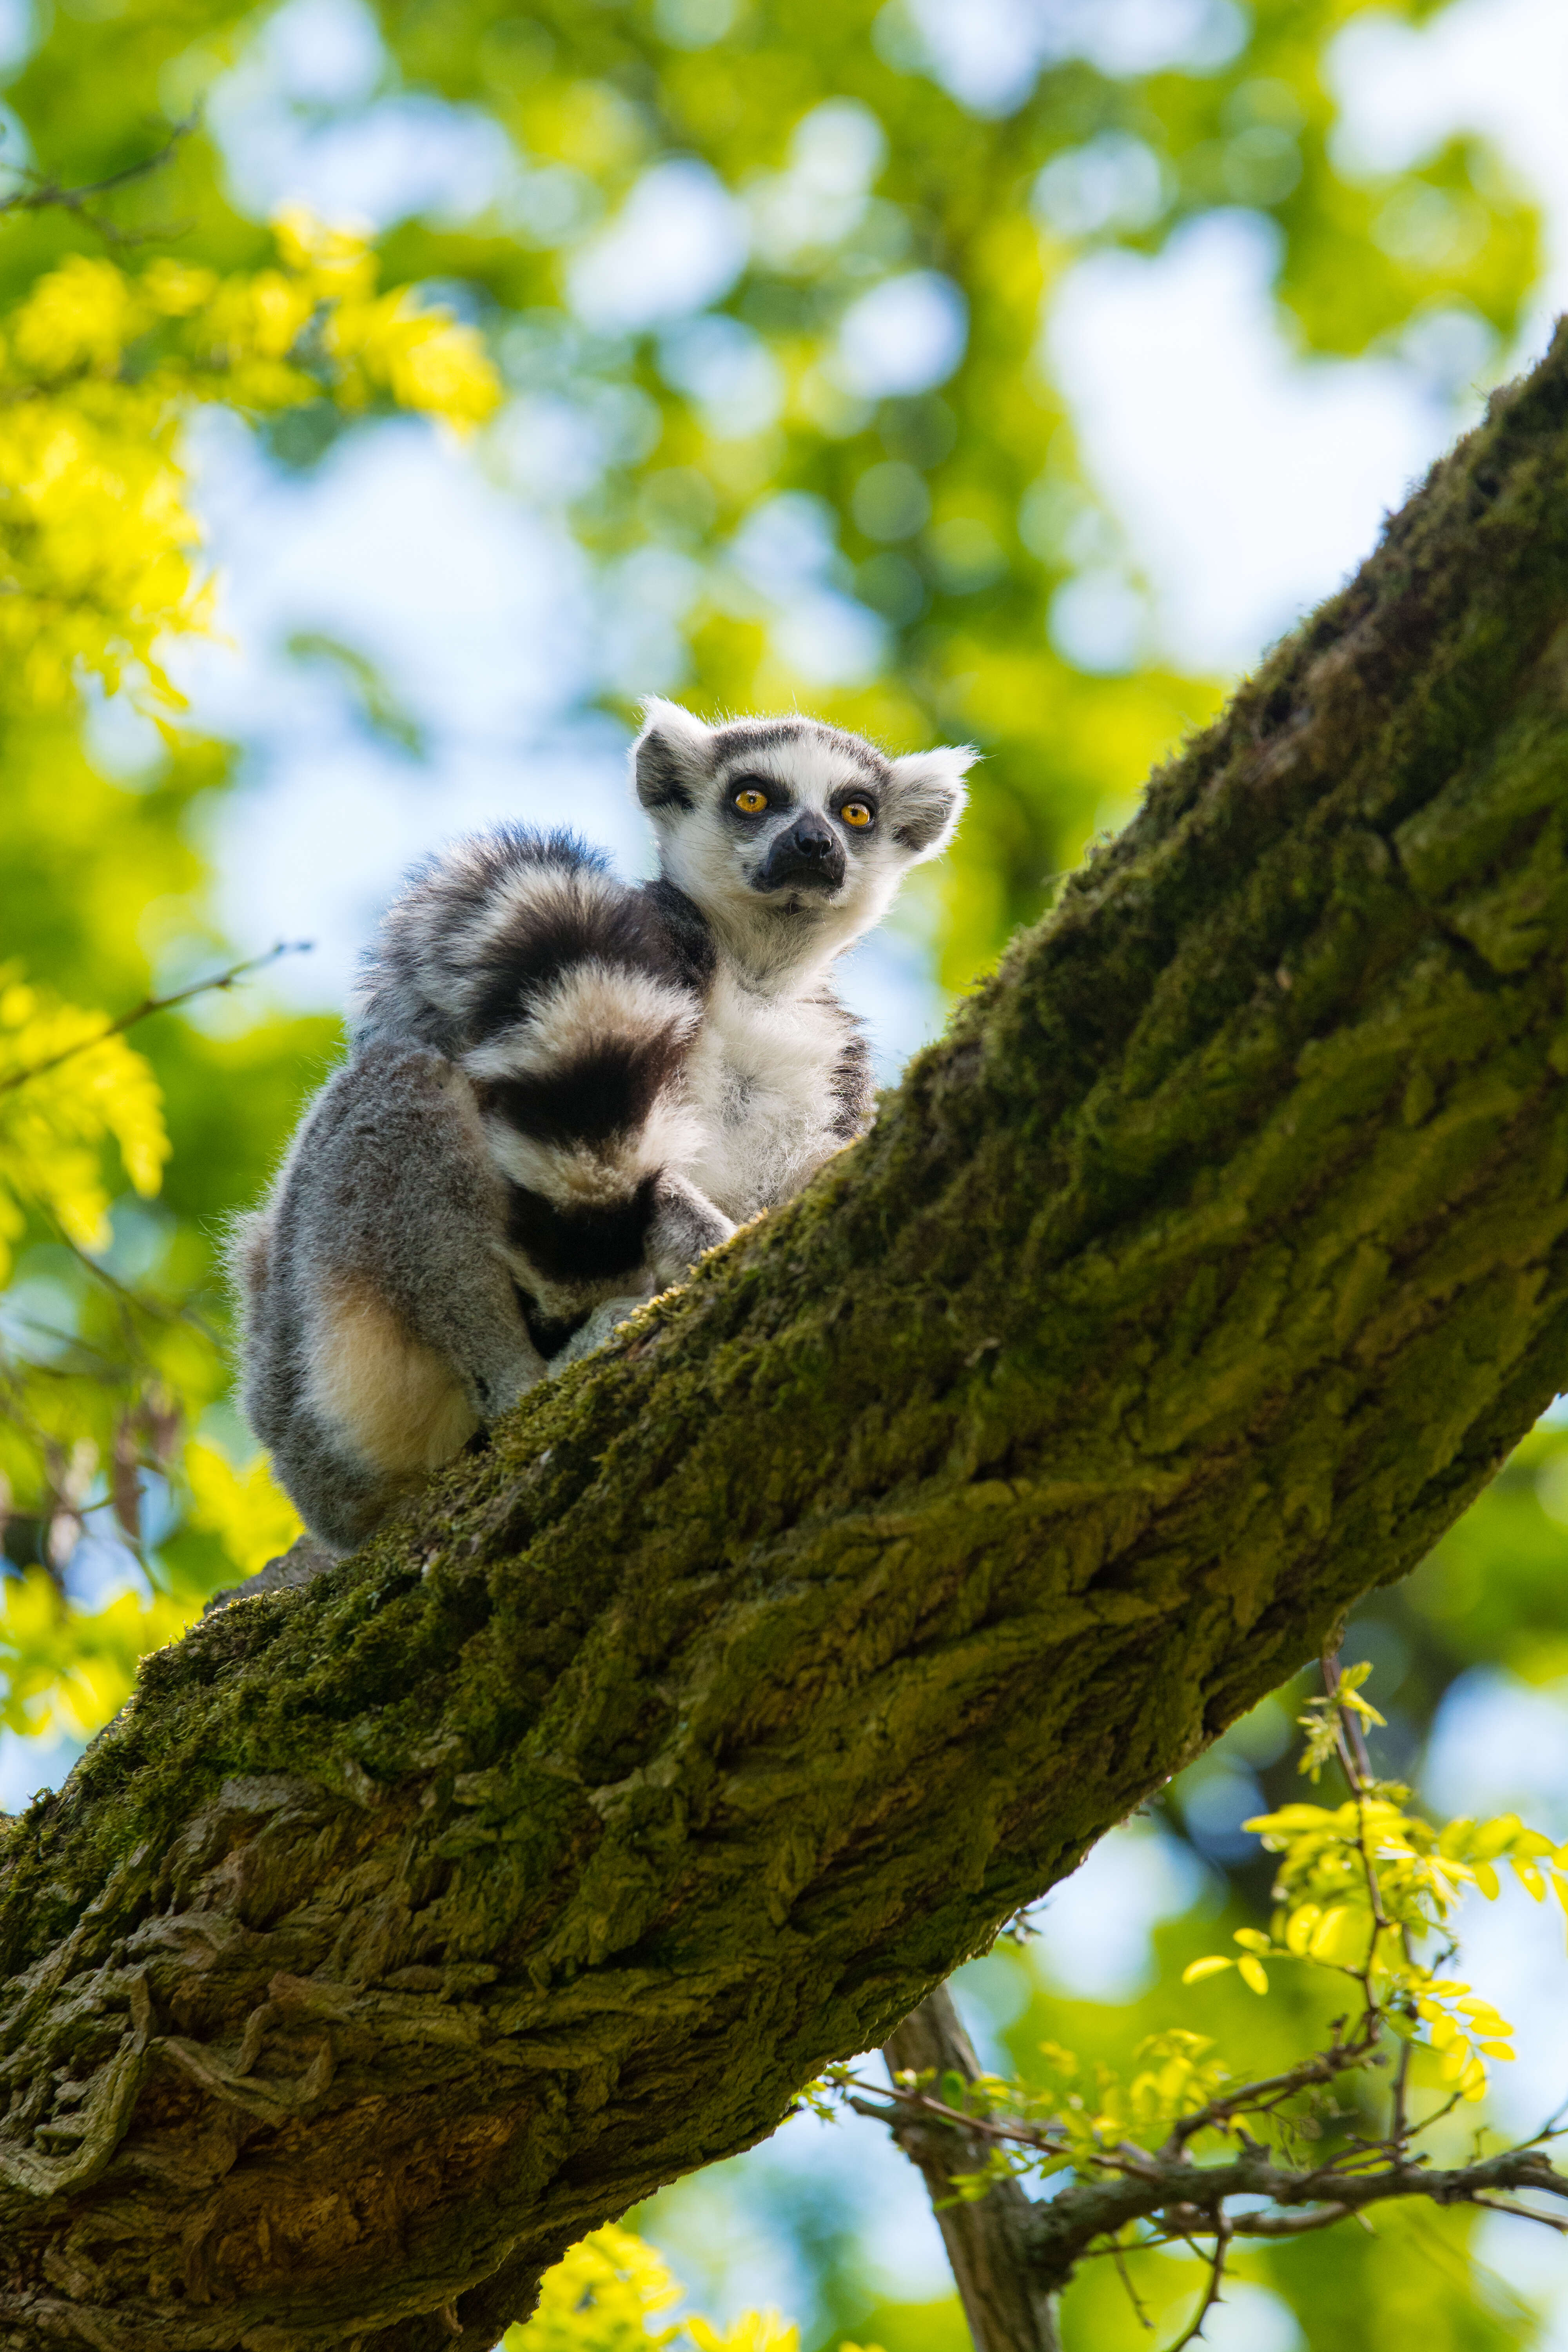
791 835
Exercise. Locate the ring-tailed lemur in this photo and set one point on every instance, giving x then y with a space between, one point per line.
563 1088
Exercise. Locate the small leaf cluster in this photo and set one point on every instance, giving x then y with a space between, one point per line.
68 1085
98 369
101 1381
1178 2072
1367 1889
608 2294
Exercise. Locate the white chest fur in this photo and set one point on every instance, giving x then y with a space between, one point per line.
760 1079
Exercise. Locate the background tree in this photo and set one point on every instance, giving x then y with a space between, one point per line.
951 516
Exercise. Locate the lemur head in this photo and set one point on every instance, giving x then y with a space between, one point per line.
791 835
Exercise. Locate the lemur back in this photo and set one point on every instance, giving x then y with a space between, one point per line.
563 1089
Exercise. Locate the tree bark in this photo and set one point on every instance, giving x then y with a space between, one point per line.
409 1924
989 2243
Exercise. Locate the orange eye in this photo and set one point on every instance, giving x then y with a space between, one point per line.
856 812
750 801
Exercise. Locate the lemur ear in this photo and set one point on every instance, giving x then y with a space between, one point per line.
669 756
928 796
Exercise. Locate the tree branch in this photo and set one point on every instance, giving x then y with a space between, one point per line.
1189 2200
986 2238
1012 2255
408 1924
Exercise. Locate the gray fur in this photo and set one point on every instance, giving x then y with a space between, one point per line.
563 1089
389 1130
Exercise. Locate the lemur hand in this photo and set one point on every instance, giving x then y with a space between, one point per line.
607 1318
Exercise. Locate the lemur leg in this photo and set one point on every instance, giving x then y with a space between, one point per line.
383 1327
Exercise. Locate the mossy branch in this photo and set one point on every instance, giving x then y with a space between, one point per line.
411 1924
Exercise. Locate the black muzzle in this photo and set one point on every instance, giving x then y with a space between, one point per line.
810 854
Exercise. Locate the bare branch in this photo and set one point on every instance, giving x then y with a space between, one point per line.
1526 2212
148 1007
1280 2225
1189 2200
40 191
1217 2279
907 2105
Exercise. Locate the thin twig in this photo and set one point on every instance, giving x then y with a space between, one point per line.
1117 2254
1438 2116
1048 2138
1360 1764
150 1005
1257 2098
1356 1765
159 1311
1510 2205
40 192
1216 2280
1553 2128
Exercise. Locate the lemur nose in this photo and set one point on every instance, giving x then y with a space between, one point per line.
809 855
811 838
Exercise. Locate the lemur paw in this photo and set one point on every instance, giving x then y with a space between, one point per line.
606 1318
685 1224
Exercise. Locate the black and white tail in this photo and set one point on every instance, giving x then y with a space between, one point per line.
570 999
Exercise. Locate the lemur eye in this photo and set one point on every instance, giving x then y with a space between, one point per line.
750 800
856 812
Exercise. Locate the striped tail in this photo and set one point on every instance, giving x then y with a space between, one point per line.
571 1000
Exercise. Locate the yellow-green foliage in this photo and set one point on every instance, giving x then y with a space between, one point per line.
1363 1889
249 1514
99 366
609 2294
102 354
72 1669
66 1089
97 369
598 97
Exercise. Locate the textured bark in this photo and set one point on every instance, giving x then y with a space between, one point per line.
411 1924
988 2240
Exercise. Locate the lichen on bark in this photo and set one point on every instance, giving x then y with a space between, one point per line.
409 1924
